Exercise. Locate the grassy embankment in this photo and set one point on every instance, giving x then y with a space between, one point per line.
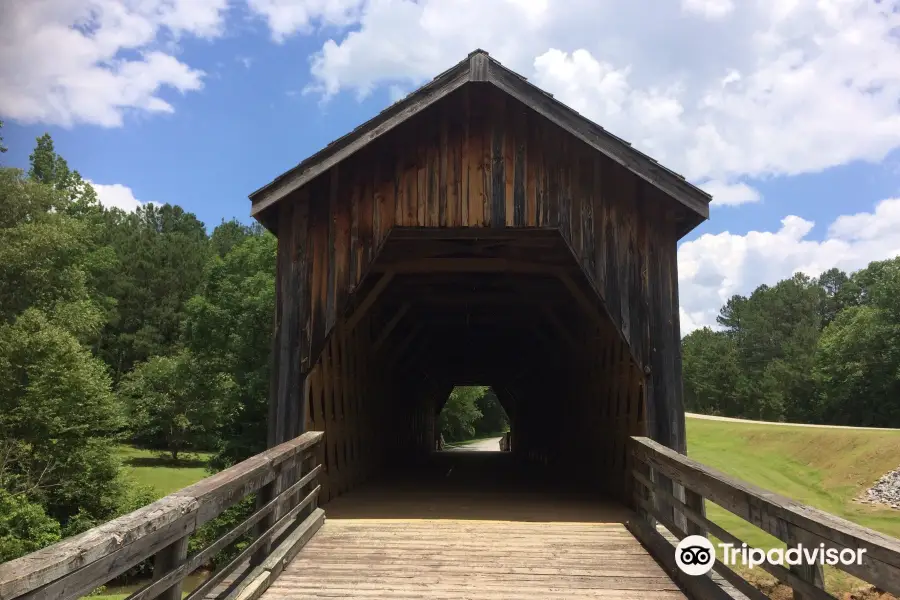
822 467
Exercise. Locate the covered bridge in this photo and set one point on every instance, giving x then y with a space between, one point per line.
476 232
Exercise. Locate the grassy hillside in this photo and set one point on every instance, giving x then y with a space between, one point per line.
825 468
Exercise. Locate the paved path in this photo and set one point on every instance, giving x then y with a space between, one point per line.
733 420
488 445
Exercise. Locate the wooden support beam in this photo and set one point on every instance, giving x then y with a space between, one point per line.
404 343
389 327
603 320
598 312
485 299
560 327
353 319
468 265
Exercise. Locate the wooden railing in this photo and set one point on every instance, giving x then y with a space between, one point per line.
670 488
280 526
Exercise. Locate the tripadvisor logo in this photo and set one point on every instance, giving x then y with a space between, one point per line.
696 555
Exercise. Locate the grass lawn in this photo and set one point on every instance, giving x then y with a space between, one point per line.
149 467
821 467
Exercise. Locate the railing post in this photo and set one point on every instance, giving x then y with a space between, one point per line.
694 501
170 557
812 574
641 492
665 509
266 494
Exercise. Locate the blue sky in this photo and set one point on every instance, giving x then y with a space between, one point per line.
790 117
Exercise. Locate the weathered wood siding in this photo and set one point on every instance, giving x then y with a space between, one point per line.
479 159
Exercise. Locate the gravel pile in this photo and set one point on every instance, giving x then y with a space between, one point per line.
885 491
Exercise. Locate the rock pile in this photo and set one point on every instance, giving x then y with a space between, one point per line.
886 491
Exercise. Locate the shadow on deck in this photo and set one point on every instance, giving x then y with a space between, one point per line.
475 486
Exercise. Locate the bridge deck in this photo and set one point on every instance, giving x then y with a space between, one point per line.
376 558
472 527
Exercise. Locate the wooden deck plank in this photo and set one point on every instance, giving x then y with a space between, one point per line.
483 560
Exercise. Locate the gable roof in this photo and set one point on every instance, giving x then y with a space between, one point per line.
478 66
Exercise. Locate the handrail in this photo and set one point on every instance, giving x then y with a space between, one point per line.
76 566
680 508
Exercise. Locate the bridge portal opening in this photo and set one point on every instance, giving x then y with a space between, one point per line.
472 418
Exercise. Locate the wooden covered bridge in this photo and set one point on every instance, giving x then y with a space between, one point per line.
476 232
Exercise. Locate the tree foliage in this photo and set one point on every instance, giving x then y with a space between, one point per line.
24 526
228 327
173 404
460 413
824 350
493 416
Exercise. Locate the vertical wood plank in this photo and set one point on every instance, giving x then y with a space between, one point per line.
531 172
355 249
330 297
477 164
520 178
509 161
421 179
366 222
444 171
170 557
498 163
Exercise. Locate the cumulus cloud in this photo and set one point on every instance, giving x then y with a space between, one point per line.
714 267
710 9
285 17
64 62
771 88
730 194
116 195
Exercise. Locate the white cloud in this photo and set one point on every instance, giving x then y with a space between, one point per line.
285 17
769 88
65 62
730 194
116 195
396 93
711 9
714 267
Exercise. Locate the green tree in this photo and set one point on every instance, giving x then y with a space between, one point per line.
858 359
228 327
712 375
58 416
493 416
51 169
2 147
45 255
231 233
172 404
460 413
160 254
24 526
839 294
